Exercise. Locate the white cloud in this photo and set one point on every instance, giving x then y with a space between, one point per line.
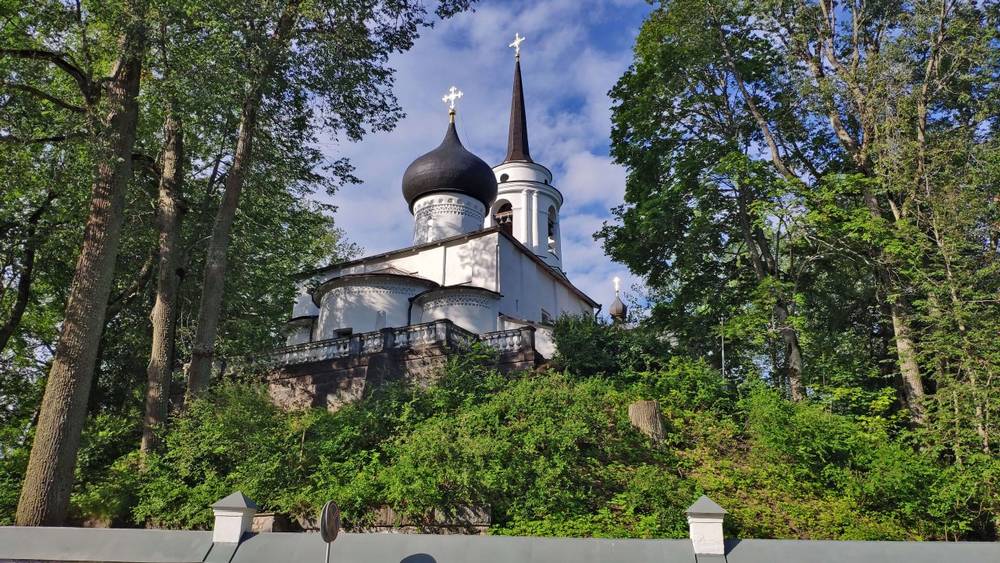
592 178
568 68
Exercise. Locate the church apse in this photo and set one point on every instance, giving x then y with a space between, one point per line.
472 308
365 302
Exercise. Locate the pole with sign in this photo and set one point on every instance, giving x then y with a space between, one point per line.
329 525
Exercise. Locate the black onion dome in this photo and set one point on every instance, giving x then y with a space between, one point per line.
450 168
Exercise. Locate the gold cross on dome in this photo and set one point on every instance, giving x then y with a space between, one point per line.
450 98
517 45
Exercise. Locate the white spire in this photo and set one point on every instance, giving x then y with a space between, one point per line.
517 45
617 281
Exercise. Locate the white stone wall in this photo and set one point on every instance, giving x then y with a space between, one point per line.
528 289
545 343
365 304
472 309
304 305
442 215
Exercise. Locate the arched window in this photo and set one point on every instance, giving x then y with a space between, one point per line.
504 216
552 230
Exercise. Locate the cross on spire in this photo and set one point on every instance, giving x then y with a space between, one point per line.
517 45
450 98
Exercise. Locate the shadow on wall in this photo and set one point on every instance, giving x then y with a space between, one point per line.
477 262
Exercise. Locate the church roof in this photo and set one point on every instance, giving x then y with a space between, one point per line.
450 168
434 291
555 272
517 135
618 310
392 270
346 279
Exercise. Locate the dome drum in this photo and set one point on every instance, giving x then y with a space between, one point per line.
445 214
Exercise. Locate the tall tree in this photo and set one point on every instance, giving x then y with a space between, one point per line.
846 100
111 105
169 209
46 146
164 314
333 51
275 50
700 224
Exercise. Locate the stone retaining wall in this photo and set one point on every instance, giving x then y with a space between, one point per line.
332 373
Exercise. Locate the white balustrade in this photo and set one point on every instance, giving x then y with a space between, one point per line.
441 332
510 340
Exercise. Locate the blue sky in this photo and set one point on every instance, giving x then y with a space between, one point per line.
574 52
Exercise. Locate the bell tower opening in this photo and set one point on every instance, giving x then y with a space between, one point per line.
504 217
552 227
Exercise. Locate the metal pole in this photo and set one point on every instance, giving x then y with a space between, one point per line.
327 560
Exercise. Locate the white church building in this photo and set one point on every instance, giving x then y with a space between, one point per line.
486 263
486 250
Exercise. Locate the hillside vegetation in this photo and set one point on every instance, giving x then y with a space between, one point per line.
551 452
813 184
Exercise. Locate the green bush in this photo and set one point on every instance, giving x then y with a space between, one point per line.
549 452
553 453
589 346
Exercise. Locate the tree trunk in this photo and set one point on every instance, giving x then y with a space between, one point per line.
857 149
765 265
793 353
645 416
27 271
116 305
163 316
210 308
49 477
906 352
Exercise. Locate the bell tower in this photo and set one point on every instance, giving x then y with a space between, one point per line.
527 204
